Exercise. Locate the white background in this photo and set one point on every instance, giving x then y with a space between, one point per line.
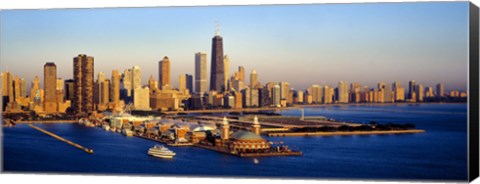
46 4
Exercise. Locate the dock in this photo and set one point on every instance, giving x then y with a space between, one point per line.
45 121
88 150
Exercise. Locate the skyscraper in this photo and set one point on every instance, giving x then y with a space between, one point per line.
164 73
136 77
217 70
343 92
83 75
253 79
440 90
200 73
189 81
50 82
276 95
69 88
115 87
420 92
316 92
226 71
412 89
241 74
182 83
398 92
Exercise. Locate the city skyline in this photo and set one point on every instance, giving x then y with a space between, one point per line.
419 67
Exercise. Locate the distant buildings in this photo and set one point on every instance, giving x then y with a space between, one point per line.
342 92
253 79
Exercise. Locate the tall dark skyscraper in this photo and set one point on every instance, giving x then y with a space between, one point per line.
50 85
217 79
83 86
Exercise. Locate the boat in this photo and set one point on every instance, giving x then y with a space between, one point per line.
161 152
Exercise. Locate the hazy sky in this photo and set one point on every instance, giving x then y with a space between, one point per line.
302 44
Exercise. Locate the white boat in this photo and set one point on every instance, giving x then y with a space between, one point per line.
160 151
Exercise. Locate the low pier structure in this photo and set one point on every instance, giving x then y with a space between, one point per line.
88 150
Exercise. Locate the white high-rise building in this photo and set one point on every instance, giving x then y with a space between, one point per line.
226 72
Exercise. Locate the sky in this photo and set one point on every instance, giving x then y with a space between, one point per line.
301 44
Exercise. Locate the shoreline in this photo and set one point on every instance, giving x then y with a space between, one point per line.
360 104
298 134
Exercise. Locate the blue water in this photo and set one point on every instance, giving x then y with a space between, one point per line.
438 154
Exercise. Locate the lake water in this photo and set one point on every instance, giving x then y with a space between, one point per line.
438 154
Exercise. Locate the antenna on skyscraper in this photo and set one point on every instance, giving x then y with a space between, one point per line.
217 28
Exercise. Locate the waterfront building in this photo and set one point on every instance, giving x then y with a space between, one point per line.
454 93
253 79
420 93
429 92
264 97
386 96
83 74
250 97
355 92
316 92
342 92
217 68
50 82
398 92
440 90
141 98
412 90
463 94
276 95
299 97
226 72
200 73
164 74
284 90
328 93
308 98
